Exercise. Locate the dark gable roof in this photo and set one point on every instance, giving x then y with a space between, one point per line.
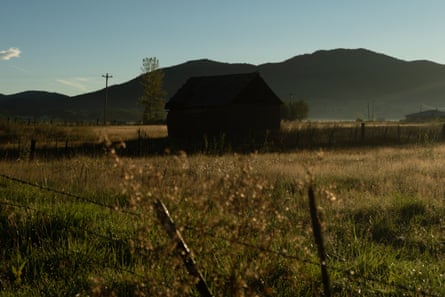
220 90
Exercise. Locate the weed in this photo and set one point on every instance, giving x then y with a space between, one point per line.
244 217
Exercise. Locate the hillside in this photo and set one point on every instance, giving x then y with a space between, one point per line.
123 98
36 104
341 83
337 84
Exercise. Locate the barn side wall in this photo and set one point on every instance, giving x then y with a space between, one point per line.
240 123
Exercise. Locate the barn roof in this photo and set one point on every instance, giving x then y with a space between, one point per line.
220 90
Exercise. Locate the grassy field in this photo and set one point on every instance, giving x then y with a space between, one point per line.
86 226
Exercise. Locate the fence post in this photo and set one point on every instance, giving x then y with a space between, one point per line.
169 226
66 147
362 132
139 142
32 150
316 228
443 132
399 134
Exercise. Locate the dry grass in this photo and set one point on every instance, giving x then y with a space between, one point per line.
125 133
382 211
351 173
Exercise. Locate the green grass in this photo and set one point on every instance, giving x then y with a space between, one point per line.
400 245
245 217
50 246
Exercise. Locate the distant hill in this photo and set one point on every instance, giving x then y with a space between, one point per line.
33 104
123 98
341 83
337 84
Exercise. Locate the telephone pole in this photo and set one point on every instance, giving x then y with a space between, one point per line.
106 76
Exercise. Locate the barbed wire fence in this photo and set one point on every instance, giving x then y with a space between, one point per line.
185 253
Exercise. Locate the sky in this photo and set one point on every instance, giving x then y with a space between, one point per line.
65 46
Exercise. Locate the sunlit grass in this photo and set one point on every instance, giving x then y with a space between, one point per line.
244 216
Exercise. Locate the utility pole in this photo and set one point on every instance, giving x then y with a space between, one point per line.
106 76
369 114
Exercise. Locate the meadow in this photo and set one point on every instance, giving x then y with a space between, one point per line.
79 220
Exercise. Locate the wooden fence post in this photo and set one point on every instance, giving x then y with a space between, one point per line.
66 147
362 132
442 134
184 251
139 142
399 134
32 150
316 228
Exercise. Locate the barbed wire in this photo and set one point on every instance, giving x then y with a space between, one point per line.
67 194
93 233
259 248
347 273
18 205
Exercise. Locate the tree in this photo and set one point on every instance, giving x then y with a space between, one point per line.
153 95
295 110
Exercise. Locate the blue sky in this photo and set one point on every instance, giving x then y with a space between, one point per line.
65 46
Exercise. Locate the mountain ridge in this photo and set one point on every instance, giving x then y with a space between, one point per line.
336 84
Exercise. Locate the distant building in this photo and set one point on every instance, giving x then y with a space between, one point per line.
239 106
426 116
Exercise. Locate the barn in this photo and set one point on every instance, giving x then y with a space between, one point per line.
238 106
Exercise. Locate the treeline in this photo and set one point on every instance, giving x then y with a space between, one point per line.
294 110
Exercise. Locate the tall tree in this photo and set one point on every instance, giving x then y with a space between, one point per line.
295 110
153 96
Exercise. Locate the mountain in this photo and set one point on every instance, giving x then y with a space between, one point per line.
36 104
336 84
122 99
342 83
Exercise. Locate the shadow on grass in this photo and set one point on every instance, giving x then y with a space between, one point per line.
399 226
309 136
133 148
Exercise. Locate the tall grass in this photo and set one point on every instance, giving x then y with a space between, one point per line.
53 141
245 217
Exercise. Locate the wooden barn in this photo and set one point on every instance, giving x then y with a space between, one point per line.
238 106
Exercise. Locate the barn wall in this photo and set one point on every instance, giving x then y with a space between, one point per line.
239 122
255 117
253 123
181 123
194 123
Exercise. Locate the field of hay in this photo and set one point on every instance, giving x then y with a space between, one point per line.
85 225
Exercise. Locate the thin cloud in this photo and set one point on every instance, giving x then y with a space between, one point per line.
12 52
23 70
76 83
